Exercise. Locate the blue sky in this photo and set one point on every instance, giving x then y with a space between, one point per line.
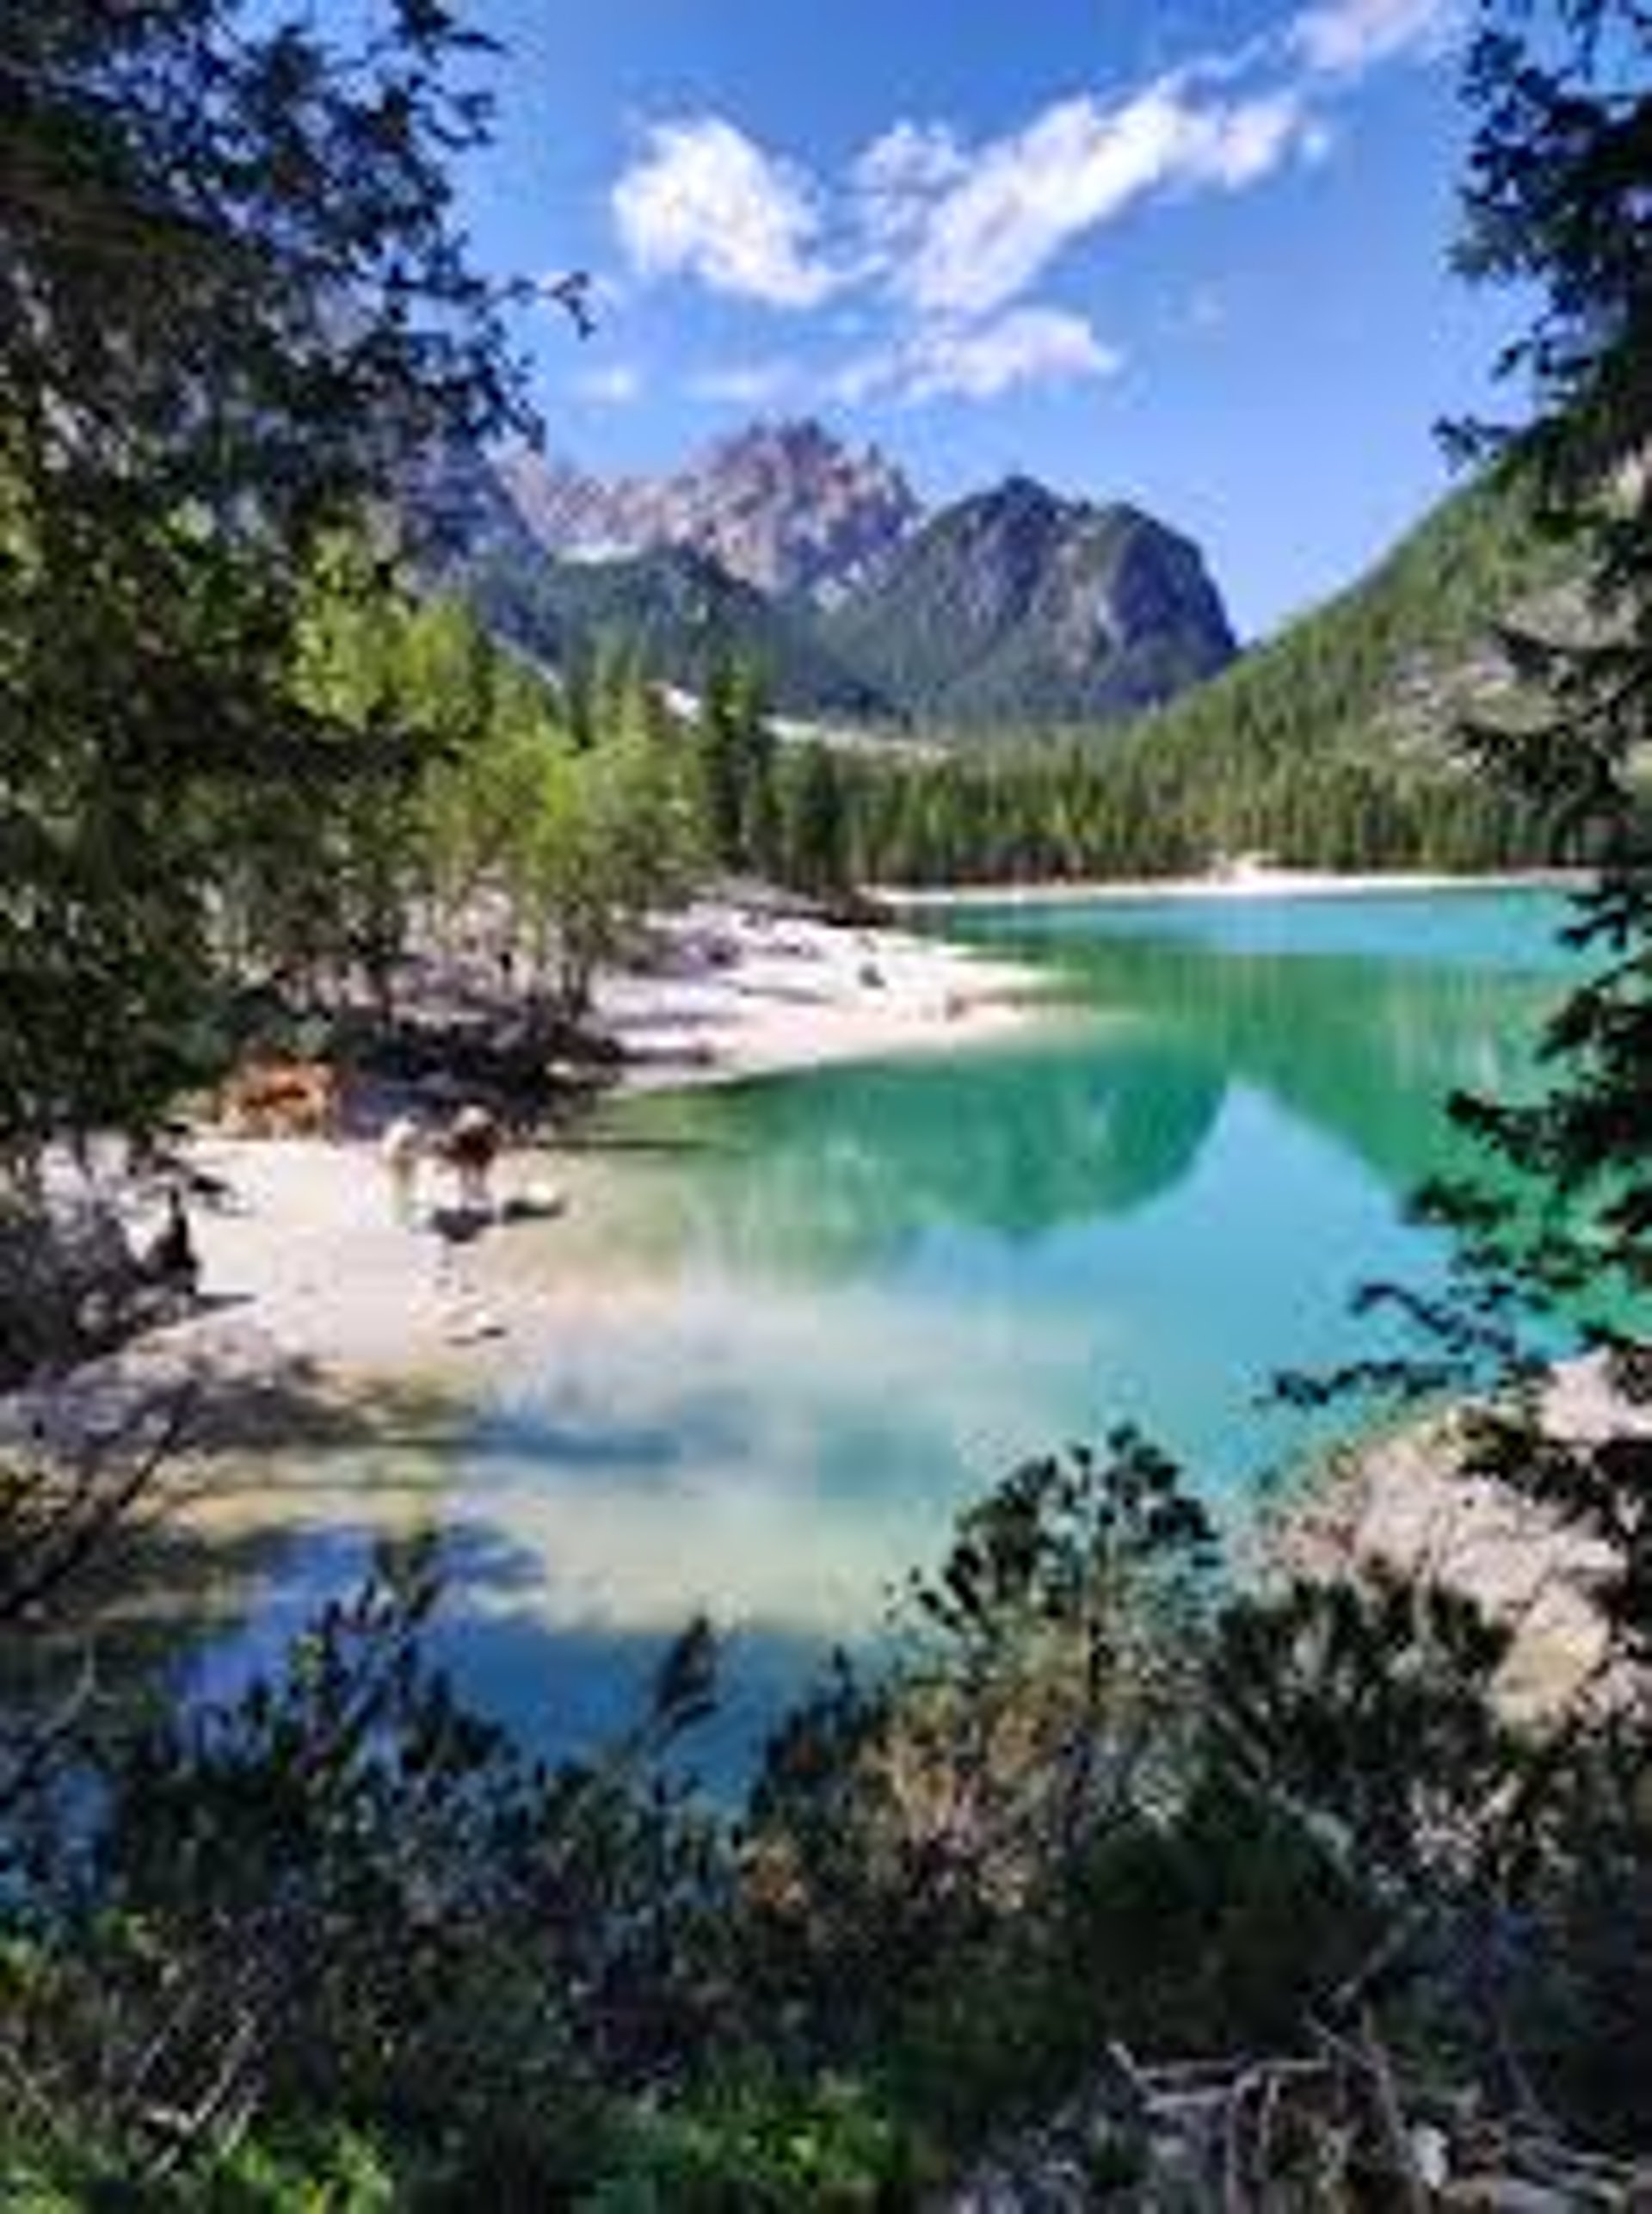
1190 254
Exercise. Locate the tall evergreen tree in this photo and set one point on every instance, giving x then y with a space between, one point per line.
735 752
817 821
233 306
1561 196
1559 1235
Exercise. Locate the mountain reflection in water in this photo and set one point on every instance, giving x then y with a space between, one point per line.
847 1301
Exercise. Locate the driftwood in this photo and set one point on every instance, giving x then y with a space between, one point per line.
1337 2128
61 1505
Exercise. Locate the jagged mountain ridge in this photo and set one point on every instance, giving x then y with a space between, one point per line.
785 507
1014 607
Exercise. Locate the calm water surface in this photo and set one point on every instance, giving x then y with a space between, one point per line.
836 1307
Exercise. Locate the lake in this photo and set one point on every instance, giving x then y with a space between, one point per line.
828 1311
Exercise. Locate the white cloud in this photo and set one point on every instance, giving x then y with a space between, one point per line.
982 362
953 230
615 383
747 384
898 177
707 201
1239 145
1347 37
1074 168
932 250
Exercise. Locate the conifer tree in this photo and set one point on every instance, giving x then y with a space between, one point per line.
234 305
1561 196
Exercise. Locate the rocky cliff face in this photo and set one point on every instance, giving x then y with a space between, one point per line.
461 513
813 559
785 507
1018 605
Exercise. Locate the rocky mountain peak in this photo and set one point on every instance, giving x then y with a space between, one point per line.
812 556
786 506
798 442
1019 495
1016 604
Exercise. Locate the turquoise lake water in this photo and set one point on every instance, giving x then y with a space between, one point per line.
862 1294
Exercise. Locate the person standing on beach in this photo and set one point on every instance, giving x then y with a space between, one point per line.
401 1149
471 1147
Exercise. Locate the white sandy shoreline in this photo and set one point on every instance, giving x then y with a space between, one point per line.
308 1275
309 1252
731 993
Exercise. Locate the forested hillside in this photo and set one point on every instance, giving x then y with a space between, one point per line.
1337 744
1385 674
677 614
1340 744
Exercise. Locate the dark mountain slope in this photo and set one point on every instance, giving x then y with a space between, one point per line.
1017 607
680 612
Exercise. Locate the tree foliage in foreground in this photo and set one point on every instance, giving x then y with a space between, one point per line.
1560 192
1556 1237
233 304
342 1928
343 1937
